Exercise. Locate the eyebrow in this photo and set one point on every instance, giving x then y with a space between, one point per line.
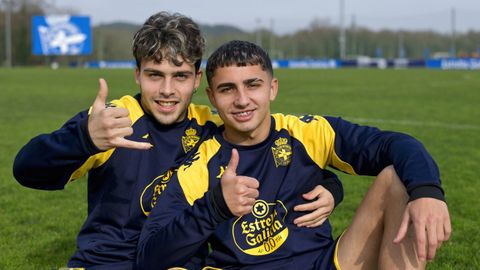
248 81
151 70
227 84
245 82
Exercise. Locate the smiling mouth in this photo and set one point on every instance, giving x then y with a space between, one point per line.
243 116
165 103
166 106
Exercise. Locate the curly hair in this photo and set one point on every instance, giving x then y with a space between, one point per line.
168 36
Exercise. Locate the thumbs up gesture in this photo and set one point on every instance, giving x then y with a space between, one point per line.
108 126
239 192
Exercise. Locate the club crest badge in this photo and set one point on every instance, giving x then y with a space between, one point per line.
190 139
282 152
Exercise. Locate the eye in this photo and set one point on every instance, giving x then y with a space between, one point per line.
181 76
253 85
153 75
225 89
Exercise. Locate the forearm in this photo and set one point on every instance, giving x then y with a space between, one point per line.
176 231
416 168
368 150
48 160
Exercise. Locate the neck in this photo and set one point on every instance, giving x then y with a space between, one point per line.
256 136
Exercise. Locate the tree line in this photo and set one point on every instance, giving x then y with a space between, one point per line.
113 41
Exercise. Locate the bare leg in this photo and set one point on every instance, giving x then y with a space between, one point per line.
368 241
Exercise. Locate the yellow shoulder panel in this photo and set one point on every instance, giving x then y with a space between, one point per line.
194 177
203 114
95 161
318 138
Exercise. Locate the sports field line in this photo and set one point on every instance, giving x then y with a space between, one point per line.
415 123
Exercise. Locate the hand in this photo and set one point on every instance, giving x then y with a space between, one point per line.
321 208
431 223
239 192
108 126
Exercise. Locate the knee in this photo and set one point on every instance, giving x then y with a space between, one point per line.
392 186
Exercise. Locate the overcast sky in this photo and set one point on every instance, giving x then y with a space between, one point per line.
286 16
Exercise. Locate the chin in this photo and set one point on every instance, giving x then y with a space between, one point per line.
166 120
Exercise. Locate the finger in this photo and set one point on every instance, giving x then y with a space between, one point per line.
252 193
314 222
245 210
247 201
317 223
308 218
122 142
117 112
119 133
447 227
233 163
123 122
101 98
432 241
313 194
251 182
440 232
421 236
402 231
309 206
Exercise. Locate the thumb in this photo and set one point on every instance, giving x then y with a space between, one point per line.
402 231
233 163
102 94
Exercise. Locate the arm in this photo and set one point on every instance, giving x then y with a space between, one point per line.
48 160
181 229
175 231
368 150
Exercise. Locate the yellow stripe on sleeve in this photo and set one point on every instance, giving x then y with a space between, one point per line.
318 138
194 177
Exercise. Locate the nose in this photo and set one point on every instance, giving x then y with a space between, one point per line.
167 88
242 99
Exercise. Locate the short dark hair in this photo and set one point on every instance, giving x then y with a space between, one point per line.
167 36
238 53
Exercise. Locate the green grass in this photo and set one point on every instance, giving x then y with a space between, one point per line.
38 228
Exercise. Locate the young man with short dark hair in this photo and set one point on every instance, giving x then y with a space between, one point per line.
238 191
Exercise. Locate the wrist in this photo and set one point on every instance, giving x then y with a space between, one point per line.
216 199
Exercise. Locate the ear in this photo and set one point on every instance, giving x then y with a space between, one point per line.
137 76
198 78
273 89
211 96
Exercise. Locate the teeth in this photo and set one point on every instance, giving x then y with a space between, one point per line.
166 103
242 113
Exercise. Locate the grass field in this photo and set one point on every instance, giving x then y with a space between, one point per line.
441 108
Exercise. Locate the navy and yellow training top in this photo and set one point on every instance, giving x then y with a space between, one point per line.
297 150
123 184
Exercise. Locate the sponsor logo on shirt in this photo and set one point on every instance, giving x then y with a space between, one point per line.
263 231
152 191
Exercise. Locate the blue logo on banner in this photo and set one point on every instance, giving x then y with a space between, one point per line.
454 63
61 35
